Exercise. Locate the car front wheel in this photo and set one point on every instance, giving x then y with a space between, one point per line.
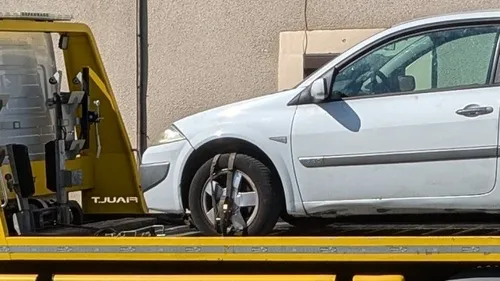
255 198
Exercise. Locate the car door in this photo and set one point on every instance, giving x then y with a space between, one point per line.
418 118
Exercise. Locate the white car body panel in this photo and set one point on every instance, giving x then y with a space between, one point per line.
408 123
166 197
388 126
256 121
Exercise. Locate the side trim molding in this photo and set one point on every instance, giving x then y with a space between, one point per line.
282 139
399 157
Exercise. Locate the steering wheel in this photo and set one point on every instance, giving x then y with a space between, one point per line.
386 83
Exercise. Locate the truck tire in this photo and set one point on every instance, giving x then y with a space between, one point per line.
256 184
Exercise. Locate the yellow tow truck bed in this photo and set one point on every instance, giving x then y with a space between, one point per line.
304 249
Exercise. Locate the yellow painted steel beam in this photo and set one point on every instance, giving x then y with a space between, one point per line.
196 277
431 241
18 277
378 278
255 248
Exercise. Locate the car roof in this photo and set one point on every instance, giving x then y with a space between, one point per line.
456 16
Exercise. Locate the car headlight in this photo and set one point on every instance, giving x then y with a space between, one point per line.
171 134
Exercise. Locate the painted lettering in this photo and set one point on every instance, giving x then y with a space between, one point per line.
114 200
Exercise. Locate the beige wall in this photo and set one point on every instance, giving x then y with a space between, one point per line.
207 53
295 44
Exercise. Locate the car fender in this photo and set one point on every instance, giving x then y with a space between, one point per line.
280 157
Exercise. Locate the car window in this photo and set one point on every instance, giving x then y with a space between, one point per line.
441 59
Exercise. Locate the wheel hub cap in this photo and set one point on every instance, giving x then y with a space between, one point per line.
246 200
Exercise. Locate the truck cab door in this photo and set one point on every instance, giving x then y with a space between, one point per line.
412 123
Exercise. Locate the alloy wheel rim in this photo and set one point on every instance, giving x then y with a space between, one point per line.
246 199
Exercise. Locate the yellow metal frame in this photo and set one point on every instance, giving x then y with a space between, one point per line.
114 173
305 249
18 277
257 277
197 277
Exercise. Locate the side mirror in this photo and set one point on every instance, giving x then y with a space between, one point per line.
319 89
406 83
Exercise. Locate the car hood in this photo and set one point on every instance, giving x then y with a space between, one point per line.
243 112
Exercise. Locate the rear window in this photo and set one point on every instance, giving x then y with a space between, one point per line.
26 63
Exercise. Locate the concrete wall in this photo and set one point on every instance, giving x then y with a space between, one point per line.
208 53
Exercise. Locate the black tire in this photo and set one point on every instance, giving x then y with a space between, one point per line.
76 212
270 201
306 222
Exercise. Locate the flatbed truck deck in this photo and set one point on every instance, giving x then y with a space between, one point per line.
411 258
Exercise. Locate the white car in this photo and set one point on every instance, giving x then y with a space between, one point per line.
405 122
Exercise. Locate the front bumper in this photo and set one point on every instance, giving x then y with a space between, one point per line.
159 172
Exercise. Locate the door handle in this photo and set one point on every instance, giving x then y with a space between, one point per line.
473 110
